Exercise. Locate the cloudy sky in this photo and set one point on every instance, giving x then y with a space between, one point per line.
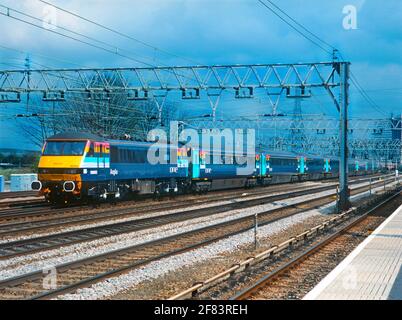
215 32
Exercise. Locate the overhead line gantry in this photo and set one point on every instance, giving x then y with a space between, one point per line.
157 82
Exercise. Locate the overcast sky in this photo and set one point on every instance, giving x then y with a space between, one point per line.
217 32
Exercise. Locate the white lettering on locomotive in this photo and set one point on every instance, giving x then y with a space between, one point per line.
114 172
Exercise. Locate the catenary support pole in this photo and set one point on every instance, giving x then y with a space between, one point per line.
344 203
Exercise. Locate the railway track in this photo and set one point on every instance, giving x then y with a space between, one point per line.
34 219
293 279
11 249
84 272
43 210
69 218
34 208
31 245
17 194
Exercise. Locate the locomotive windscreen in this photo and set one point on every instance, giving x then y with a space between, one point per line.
64 148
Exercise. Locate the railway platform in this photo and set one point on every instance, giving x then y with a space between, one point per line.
373 271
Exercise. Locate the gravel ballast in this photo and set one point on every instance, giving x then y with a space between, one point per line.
154 270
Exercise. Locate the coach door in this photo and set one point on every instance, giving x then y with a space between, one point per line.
195 164
263 165
302 165
327 167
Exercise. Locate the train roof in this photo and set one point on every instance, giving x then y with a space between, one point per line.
131 143
285 154
94 137
75 136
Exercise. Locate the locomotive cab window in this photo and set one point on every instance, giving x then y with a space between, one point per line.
64 148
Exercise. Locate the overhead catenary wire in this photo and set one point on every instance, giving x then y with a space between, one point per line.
302 26
365 95
283 12
42 55
86 42
353 79
118 32
293 27
362 91
76 39
112 47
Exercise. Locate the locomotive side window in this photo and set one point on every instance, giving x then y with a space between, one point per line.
123 155
101 151
130 156
140 156
114 154
91 150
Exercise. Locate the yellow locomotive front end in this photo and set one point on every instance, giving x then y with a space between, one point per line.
60 167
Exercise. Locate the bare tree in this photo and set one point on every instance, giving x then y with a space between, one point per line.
108 114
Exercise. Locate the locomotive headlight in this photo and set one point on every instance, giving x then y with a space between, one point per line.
36 185
69 186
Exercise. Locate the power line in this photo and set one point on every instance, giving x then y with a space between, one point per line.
76 39
352 77
293 27
84 42
302 26
42 55
362 92
118 32
114 48
365 95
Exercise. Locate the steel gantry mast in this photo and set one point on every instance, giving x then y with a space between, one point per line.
343 134
190 82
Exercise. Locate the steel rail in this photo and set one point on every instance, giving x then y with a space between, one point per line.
142 207
15 248
201 287
70 218
42 209
246 293
31 245
164 247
